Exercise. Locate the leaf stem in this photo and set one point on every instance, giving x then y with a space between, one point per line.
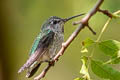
103 29
106 24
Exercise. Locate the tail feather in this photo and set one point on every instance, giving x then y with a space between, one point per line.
22 68
31 60
30 73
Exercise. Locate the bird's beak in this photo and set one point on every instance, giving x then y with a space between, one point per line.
67 19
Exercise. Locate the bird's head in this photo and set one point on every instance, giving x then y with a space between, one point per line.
57 24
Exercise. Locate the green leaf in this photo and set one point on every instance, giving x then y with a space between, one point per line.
79 79
104 71
86 43
83 50
110 47
84 68
113 61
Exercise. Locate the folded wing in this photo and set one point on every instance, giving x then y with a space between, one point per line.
41 44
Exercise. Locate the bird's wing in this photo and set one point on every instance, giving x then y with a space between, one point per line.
40 45
42 40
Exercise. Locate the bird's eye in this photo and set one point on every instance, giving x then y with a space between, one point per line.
55 22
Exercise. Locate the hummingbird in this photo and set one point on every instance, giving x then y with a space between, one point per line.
46 45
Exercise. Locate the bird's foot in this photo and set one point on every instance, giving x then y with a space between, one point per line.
51 62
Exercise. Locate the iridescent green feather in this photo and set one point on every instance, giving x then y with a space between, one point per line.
38 39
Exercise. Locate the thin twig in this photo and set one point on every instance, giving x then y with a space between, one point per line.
82 24
106 24
106 12
91 30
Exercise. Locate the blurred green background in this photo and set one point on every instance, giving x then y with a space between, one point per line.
21 20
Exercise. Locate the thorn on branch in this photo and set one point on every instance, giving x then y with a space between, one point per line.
106 12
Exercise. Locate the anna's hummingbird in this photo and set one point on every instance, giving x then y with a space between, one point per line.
47 44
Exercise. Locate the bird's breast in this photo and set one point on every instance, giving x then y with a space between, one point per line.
56 45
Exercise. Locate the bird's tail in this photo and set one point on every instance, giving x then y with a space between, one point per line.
29 62
32 71
23 67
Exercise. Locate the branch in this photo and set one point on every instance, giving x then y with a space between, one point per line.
82 24
106 12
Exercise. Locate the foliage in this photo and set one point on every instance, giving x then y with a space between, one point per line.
102 69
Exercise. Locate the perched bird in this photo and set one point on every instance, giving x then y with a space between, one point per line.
46 45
